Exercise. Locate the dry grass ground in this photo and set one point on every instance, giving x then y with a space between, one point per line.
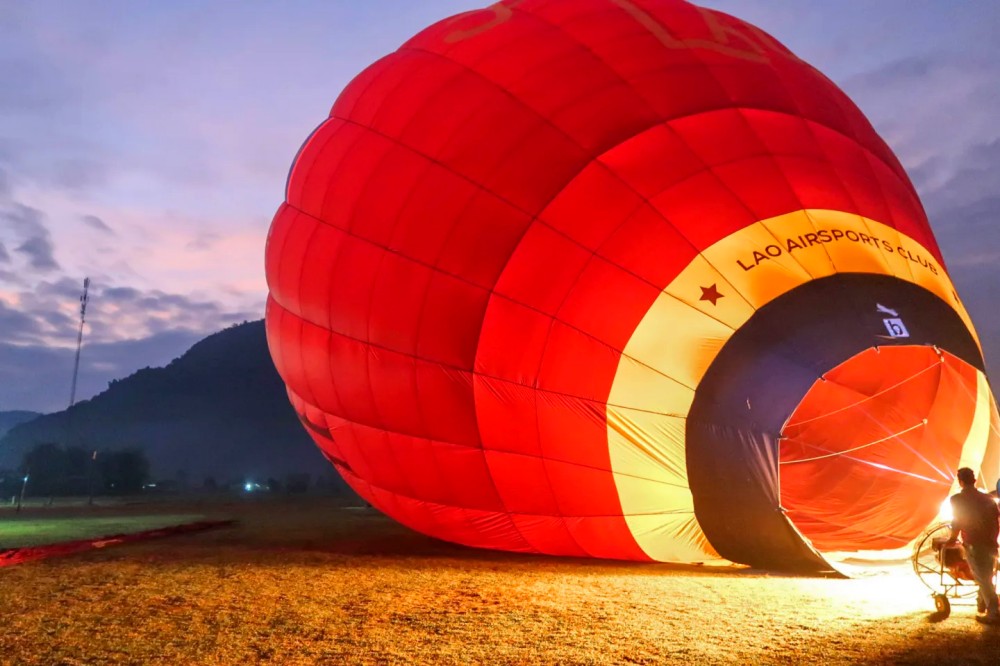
302 583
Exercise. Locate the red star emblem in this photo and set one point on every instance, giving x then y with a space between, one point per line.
710 294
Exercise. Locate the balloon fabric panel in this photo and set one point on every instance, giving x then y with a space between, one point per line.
549 269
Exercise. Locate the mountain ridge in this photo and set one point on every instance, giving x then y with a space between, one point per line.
219 410
15 417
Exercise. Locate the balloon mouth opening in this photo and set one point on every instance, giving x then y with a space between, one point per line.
869 454
834 422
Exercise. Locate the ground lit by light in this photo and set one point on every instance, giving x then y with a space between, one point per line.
877 591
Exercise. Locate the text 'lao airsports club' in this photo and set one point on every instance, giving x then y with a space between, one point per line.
792 245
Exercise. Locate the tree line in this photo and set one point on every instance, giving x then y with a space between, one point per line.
52 470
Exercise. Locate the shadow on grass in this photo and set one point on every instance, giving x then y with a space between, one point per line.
966 643
937 616
276 535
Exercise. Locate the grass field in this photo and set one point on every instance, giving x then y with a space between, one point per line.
308 582
17 531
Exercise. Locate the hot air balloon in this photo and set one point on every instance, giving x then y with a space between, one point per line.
622 279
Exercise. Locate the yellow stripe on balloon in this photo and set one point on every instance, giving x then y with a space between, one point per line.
974 449
688 324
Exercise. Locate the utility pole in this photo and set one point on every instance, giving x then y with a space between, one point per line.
90 478
79 339
24 485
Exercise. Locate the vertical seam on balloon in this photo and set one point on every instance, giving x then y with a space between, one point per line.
298 299
289 226
436 271
368 85
894 223
295 160
973 396
839 99
667 125
328 294
432 269
864 151
889 162
597 58
893 167
329 342
993 409
777 167
544 121
591 159
553 318
277 352
373 402
397 141
388 443
350 147
808 125
710 72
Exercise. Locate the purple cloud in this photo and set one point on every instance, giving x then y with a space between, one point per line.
95 222
38 249
36 243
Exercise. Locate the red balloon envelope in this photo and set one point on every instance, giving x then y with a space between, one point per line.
622 279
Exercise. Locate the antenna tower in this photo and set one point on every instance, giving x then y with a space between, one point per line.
79 339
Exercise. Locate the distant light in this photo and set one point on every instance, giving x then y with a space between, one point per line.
25 478
945 513
248 487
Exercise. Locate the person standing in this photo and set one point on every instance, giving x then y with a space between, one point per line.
977 518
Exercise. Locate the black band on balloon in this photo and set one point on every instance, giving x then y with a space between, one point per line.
762 374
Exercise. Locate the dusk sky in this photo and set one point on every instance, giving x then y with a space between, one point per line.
146 145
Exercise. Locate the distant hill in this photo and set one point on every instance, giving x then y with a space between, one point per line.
15 417
219 410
